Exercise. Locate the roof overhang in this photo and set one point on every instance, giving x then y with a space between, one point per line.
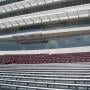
55 15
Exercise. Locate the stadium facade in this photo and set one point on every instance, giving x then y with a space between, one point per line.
44 31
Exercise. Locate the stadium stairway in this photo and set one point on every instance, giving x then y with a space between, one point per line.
55 76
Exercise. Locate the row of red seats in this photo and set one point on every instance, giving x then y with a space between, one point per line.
45 58
40 61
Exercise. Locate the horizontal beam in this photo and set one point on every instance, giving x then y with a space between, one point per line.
43 35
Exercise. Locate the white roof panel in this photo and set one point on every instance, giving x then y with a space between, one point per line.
30 3
45 19
18 6
37 20
51 15
83 13
73 14
41 2
2 10
33 3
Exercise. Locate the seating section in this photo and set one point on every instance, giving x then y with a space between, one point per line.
55 76
44 58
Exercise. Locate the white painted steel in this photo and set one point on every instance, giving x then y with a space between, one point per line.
61 14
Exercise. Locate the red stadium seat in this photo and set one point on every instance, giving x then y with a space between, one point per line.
44 58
